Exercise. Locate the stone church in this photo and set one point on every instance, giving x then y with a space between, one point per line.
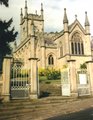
70 48
52 49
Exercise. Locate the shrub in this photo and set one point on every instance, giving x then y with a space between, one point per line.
50 73
53 74
42 72
83 66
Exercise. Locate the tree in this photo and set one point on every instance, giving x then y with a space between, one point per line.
7 35
5 2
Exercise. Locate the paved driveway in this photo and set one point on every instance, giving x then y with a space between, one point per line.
48 109
81 115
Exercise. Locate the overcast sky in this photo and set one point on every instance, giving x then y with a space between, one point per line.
53 12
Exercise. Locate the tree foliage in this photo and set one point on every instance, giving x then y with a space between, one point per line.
7 35
50 73
4 2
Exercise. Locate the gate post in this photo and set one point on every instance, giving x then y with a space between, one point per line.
72 77
6 78
90 70
33 78
1 85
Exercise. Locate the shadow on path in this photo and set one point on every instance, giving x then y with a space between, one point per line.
86 114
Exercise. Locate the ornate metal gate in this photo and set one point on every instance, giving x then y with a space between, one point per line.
19 82
83 84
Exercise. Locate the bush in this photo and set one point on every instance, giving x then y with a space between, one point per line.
50 73
53 74
42 72
83 66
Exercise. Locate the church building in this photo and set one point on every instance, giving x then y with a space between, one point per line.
52 49
71 47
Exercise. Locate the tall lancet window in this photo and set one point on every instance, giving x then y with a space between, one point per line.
77 47
50 60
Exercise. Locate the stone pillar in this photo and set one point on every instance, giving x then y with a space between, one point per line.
72 77
90 71
6 78
0 76
33 79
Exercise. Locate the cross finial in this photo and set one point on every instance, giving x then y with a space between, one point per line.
75 16
85 12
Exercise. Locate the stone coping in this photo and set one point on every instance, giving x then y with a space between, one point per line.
33 59
8 57
89 61
71 60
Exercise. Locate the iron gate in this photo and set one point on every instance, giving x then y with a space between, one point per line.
19 87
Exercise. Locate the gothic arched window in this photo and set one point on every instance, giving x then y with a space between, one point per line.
50 60
77 47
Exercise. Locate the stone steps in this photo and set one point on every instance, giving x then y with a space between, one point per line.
21 107
47 100
42 110
50 90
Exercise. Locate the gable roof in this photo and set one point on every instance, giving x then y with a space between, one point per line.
70 28
48 38
73 25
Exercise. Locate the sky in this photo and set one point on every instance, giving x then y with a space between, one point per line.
53 12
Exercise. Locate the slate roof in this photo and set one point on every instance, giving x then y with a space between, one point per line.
48 37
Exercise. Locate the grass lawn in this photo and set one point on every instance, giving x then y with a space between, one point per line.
49 87
43 79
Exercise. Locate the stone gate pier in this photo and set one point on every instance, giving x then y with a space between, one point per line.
77 82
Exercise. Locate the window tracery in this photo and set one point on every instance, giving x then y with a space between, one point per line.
77 47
